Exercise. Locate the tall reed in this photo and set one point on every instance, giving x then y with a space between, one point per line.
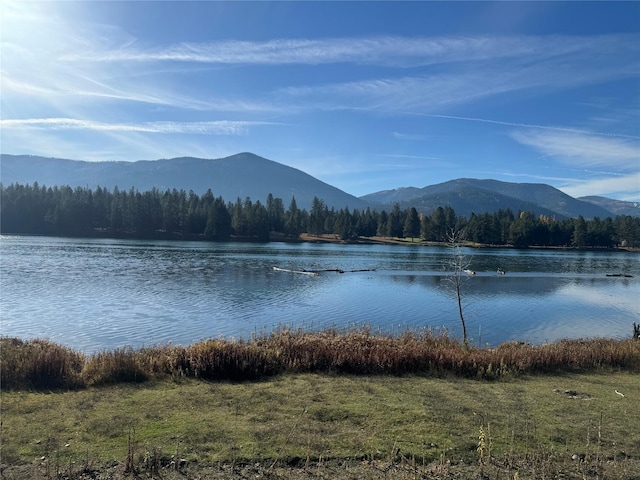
40 364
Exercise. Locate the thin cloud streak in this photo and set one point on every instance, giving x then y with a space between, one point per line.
414 137
382 50
526 125
223 127
79 88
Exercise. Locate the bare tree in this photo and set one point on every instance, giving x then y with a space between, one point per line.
458 267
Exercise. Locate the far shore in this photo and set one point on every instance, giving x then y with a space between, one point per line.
324 238
331 238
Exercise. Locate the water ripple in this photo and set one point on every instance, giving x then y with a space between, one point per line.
97 294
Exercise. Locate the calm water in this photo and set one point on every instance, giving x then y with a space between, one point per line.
97 294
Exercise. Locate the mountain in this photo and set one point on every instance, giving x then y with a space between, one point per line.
617 207
242 175
466 195
248 175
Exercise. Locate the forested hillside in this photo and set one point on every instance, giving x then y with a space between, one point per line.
469 195
64 211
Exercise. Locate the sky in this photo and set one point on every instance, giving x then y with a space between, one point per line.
365 96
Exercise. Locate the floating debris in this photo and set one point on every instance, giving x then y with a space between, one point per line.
303 272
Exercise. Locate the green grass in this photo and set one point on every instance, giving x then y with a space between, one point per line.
530 423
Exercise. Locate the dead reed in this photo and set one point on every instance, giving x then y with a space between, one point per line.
40 364
116 366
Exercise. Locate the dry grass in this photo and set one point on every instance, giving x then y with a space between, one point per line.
40 364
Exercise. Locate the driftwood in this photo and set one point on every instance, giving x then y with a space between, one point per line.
317 272
304 272
625 275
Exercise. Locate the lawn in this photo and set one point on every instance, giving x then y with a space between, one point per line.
311 425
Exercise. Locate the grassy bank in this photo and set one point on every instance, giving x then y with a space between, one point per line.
327 404
329 426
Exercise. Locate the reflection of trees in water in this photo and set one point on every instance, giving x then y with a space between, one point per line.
538 261
508 285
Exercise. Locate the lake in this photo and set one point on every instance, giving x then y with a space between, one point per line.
101 294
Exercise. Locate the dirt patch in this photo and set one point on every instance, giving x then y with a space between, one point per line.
338 469
286 470
572 394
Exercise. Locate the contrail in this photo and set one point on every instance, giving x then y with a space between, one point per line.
526 125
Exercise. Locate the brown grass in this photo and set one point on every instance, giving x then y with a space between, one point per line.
40 364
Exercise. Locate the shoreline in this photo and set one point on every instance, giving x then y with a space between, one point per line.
277 237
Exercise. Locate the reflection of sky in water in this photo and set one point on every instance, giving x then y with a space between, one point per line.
538 308
94 294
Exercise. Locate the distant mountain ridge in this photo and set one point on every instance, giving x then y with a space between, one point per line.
242 175
249 175
617 207
466 195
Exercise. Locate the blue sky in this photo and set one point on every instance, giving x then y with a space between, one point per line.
366 96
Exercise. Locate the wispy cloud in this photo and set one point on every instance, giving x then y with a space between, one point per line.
59 57
412 137
431 93
411 157
64 92
583 150
381 50
224 127
625 187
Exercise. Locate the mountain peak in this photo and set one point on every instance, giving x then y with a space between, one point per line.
238 176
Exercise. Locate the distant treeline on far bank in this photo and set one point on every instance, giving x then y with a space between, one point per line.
64 211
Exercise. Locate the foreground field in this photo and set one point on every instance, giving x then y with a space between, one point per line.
330 426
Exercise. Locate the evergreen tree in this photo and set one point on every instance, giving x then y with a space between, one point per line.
412 224
275 210
439 225
383 227
317 217
395 222
293 217
579 232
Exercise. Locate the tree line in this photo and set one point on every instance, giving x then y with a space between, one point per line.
65 211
